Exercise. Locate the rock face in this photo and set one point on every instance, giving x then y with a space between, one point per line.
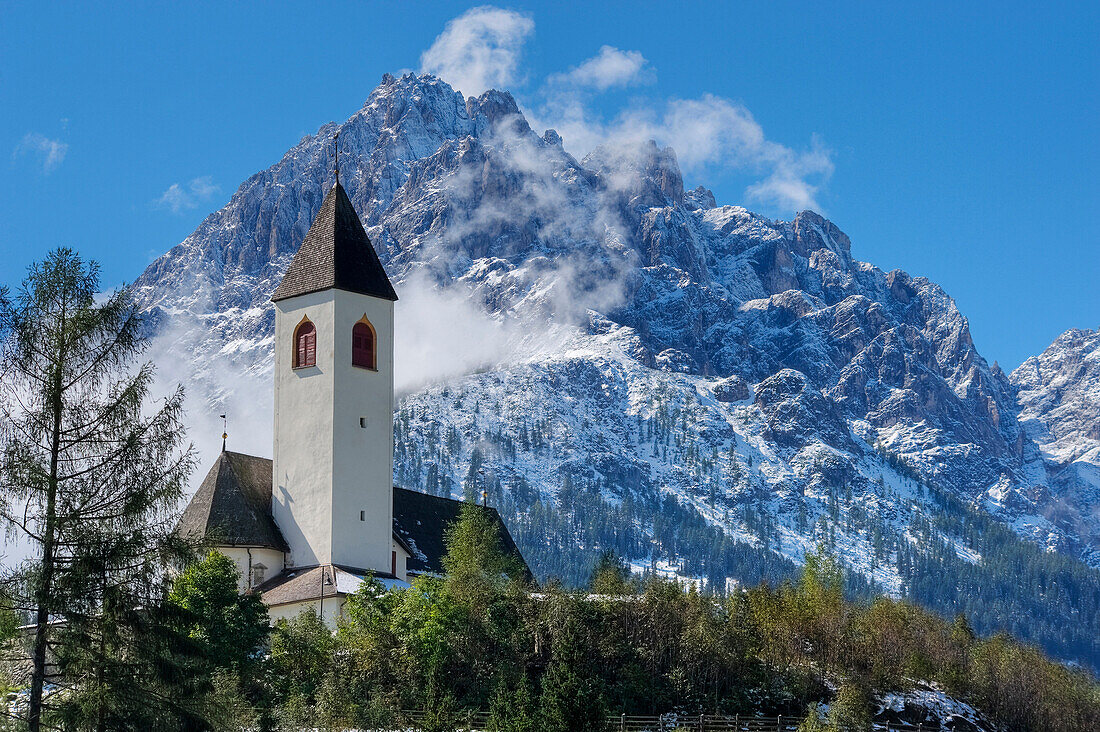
787 366
731 389
1059 397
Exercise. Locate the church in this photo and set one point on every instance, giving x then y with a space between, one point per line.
307 526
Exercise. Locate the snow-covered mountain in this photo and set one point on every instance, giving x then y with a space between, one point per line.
622 362
1059 399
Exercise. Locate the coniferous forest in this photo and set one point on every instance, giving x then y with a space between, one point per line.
115 624
1042 597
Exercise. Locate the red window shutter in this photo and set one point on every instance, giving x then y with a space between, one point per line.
305 353
311 349
362 346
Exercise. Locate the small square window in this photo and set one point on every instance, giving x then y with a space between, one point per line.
362 421
362 515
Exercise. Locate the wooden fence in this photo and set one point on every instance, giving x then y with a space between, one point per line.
477 721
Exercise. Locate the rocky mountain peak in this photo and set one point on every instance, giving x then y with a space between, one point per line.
494 104
646 174
1060 393
813 231
845 362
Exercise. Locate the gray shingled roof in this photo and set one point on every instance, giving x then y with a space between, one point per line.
232 507
336 254
300 584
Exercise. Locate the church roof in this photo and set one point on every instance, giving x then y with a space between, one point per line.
232 507
336 254
302 584
421 520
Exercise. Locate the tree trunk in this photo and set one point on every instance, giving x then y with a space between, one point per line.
44 589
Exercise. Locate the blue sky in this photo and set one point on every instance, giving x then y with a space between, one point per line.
958 143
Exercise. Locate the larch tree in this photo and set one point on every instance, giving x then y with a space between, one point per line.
91 471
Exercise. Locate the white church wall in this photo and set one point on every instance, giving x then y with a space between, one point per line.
401 559
270 559
362 468
303 443
329 610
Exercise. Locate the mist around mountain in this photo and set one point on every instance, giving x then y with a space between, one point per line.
624 364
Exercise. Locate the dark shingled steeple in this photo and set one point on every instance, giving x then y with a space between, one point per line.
336 254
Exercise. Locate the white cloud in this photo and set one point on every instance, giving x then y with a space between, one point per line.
51 153
708 134
479 49
447 335
715 132
609 68
788 186
179 198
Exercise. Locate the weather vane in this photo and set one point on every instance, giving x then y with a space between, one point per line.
225 430
336 141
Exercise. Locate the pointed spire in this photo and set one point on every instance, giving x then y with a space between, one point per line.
336 254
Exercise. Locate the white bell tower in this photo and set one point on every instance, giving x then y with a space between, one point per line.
332 487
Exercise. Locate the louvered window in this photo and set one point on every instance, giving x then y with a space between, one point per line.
305 346
362 345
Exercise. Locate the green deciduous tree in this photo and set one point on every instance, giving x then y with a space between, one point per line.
232 628
301 655
229 632
851 709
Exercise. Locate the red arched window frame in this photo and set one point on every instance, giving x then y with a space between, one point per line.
305 345
364 345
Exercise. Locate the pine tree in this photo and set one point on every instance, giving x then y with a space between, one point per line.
572 698
512 709
89 473
610 575
472 486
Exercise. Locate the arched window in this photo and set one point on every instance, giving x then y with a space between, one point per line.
305 345
362 345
